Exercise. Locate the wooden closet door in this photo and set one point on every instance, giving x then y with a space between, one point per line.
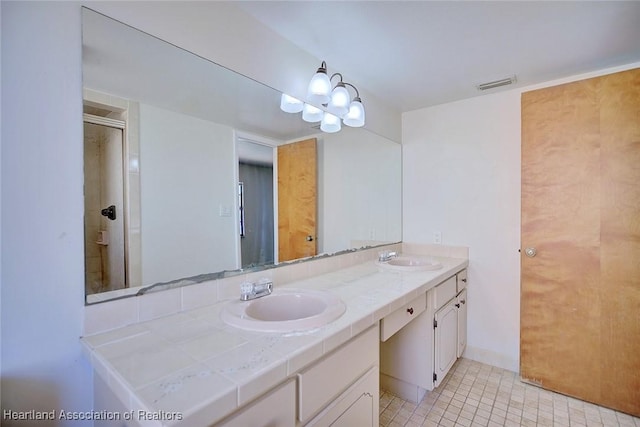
580 293
620 240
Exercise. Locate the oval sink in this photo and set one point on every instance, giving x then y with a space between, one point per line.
411 263
285 310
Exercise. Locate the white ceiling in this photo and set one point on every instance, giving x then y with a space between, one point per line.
414 54
123 61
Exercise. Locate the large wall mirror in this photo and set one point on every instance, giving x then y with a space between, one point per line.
193 172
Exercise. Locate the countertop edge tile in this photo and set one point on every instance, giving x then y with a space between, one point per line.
304 358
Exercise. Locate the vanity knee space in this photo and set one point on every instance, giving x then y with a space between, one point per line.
416 357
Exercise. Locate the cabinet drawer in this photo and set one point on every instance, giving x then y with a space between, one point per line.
328 378
462 280
396 320
444 292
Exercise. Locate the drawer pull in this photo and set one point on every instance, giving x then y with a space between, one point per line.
464 280
458 305
410 310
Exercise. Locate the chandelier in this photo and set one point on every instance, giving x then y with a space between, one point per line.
338 105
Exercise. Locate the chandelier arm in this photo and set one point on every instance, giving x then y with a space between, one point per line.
354 88
336 74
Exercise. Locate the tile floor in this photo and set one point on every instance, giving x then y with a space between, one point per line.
475 394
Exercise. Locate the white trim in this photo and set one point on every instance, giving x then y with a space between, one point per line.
236 202
268 142
103 121
257 139
578 77
492 358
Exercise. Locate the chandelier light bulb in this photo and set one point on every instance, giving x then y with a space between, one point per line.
330 123
319 86
289 104
311 114
339 103
355 116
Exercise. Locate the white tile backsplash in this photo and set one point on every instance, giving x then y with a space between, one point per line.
229 288
118 313
436 250
110 315
199 295
158 304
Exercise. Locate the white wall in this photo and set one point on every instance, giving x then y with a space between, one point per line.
359 199
186 173
42 208
461 177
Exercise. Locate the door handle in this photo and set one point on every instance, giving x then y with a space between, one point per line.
530 252
309 239
109 212
410 310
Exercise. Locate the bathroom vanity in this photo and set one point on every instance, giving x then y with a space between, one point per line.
190 368
418 357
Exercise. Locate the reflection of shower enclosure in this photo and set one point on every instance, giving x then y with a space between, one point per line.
257 214
104 199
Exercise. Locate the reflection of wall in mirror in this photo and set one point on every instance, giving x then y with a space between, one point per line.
187 180
361 196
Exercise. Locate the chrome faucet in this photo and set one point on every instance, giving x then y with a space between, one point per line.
253 290
385 256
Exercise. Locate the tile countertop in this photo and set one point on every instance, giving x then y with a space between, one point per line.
190 368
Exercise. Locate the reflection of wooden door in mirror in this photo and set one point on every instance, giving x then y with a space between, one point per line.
580 287
297 202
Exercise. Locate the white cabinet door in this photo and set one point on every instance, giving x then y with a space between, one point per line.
358 414
462 321
278 408
446 340
358 406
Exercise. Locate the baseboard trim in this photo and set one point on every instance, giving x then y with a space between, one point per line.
409 392
492 358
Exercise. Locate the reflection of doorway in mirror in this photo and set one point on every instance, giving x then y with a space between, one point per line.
256 203
104 202
104 112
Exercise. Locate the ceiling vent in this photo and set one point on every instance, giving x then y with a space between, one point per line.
497 83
